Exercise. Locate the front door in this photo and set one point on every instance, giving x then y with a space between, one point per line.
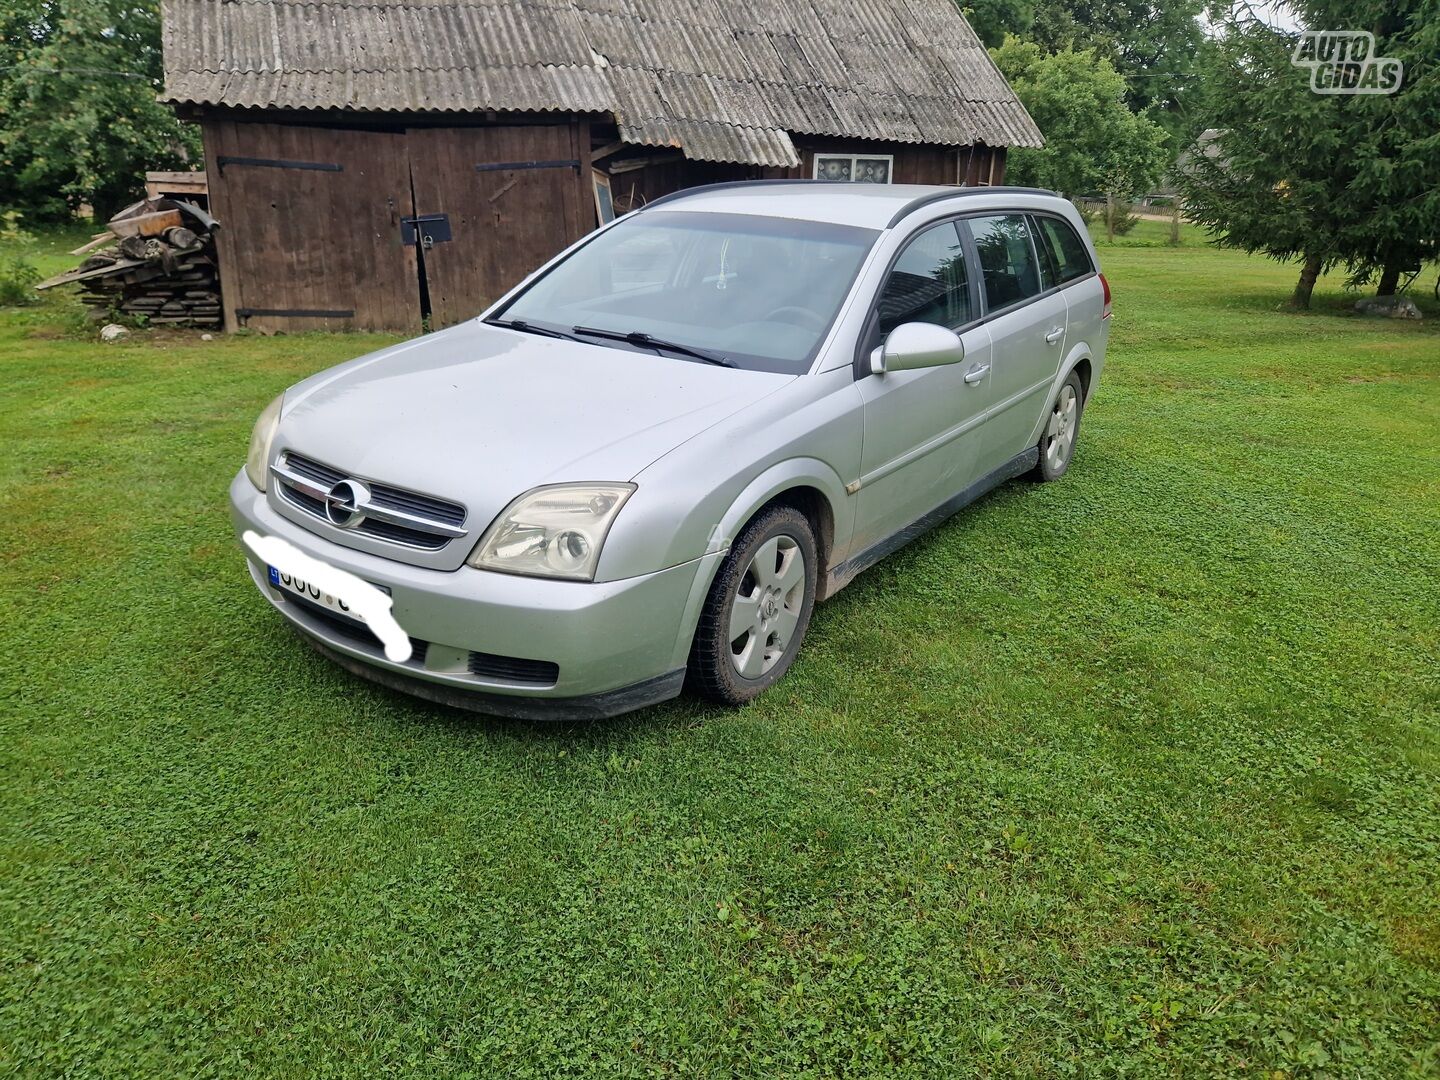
1027 330
922 428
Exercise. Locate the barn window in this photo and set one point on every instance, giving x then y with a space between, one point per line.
856 168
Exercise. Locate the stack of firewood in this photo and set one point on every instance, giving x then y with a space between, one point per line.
155 260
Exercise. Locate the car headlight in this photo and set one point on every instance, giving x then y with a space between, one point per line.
553 532
259 456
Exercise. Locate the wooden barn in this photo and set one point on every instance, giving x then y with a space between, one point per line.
393 164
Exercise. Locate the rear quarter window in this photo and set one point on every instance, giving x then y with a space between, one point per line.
1066 249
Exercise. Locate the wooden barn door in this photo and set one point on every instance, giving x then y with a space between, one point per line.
512 197
310 227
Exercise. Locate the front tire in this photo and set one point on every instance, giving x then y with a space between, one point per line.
758 609
1062 429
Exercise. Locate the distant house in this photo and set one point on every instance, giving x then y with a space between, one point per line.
376 163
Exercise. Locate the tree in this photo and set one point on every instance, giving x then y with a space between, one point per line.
1093 142
78 117
1329 180
1153 44
993 20
1389 206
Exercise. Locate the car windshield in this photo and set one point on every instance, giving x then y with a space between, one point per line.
760 292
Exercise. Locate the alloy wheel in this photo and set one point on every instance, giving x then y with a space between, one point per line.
1060 432
768 603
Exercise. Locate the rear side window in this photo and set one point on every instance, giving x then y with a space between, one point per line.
1007 259
1066 249
929 283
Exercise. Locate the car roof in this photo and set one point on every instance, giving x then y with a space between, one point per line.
869 206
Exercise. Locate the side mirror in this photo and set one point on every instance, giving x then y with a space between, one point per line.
917 345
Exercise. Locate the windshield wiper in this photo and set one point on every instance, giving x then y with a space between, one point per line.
530 328
639 337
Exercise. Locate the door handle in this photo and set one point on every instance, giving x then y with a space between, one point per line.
1054 335
974 375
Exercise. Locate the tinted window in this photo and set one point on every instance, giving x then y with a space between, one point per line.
929 283
1007 259
1065 248
761 291
1049 271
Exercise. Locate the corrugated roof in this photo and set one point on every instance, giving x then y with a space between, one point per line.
721 81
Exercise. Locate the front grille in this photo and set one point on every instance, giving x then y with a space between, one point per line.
514 669
410 502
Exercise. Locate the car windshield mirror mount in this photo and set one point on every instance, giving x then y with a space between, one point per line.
917 345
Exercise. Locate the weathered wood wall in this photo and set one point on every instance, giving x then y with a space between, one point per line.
310 216
506 222
311 211
309 234
972 165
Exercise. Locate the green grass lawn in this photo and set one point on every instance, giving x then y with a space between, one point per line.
1137 773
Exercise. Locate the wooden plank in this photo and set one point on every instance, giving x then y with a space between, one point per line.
71 276
311 240
587 217
176 176
505 222
1001 157
217 136
97 240
145 224
189 182
608 149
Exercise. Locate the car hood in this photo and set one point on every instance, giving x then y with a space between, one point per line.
478 414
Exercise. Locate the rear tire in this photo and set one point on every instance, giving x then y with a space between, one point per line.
1062 430
758 609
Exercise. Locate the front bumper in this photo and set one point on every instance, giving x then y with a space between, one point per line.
618 645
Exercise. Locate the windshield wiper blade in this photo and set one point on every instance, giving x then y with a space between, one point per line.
530 328
639 337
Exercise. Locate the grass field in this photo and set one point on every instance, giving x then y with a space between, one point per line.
1137 773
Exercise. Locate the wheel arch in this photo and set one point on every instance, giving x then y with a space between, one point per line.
1077 361
807 484
1085 370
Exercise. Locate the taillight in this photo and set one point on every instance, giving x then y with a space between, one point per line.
1105 309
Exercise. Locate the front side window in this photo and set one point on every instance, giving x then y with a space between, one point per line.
929 282
760 291
1007 259
856 168
1066 248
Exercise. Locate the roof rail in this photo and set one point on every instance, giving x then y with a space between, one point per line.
939 196
721 186
909 208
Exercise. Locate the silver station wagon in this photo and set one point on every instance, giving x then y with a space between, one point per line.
640 470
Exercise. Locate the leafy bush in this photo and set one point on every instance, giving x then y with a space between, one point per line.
11 231
1093 141
17 282
1124 219
79 119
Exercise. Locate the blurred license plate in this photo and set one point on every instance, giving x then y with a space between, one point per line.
297 587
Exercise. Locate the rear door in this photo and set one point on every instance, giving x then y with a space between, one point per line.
1027 320
922 428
